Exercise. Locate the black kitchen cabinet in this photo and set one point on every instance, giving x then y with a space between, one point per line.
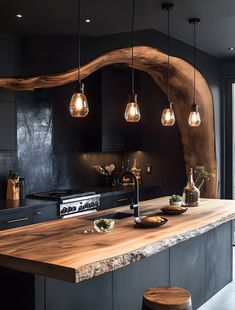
17 290
44 213
114 199
105 127
16 218
7 126
120 198
22 216
8 129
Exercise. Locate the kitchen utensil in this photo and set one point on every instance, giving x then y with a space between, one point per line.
103 170
107 169
112 167
100 170
141 223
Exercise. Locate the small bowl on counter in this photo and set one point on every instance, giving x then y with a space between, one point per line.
104 225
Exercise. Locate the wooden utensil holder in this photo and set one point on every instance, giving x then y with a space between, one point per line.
13 189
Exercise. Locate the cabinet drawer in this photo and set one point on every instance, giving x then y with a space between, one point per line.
44 213
123 199
106 202
15 219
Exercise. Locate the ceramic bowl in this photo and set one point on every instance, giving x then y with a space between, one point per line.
104 225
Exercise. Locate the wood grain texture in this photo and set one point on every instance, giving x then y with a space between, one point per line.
59 249
198 142
167 298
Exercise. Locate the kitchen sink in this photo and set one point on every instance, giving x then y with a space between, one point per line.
115 216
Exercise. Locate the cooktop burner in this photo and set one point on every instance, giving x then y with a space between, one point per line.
57 194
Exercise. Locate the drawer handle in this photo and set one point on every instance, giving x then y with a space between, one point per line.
122 199
17 220
38 213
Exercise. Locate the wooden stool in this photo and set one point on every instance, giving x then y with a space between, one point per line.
167 298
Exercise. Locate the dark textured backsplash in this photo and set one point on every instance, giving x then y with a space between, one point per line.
34 135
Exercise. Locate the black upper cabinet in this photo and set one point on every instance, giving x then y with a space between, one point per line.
7 126
106 129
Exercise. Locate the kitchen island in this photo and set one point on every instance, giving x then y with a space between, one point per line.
74 270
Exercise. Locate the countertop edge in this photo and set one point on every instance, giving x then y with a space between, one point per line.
113 263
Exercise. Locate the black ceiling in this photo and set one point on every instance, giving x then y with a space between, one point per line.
215 32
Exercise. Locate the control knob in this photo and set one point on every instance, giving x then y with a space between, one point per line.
64 210
70 209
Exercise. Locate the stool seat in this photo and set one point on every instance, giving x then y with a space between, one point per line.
167 298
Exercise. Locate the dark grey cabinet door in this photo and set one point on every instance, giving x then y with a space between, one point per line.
16 218
92 294
44 213
7 126
218 258
130 282
187 268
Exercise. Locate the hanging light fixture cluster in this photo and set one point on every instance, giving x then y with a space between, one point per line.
78 104
194 119
132 112
168 116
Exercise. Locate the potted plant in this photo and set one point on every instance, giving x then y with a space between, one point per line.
201 175
176 200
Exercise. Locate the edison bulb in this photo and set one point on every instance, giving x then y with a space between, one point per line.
194 119
168 117
78 104
132 112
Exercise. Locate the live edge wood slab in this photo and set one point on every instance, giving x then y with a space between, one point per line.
198 142
58 249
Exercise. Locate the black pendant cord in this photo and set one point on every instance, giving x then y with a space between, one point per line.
79 41
132 49
194 61
168 57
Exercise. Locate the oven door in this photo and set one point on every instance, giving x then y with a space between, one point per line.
77 214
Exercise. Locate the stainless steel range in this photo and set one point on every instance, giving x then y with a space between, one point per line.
71 202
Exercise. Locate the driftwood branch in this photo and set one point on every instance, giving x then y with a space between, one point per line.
199 142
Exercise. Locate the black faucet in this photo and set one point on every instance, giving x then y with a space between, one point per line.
135 202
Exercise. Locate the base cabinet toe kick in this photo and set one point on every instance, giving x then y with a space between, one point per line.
202 265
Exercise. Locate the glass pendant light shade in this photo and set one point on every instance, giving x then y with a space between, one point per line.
78 104
132 112
194 119
168 116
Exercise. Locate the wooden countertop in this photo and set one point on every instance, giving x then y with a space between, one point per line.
59 249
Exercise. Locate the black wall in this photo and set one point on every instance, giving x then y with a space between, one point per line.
8 64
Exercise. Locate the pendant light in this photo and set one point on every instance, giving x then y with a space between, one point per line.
132 112
194 119
78 104
168 116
